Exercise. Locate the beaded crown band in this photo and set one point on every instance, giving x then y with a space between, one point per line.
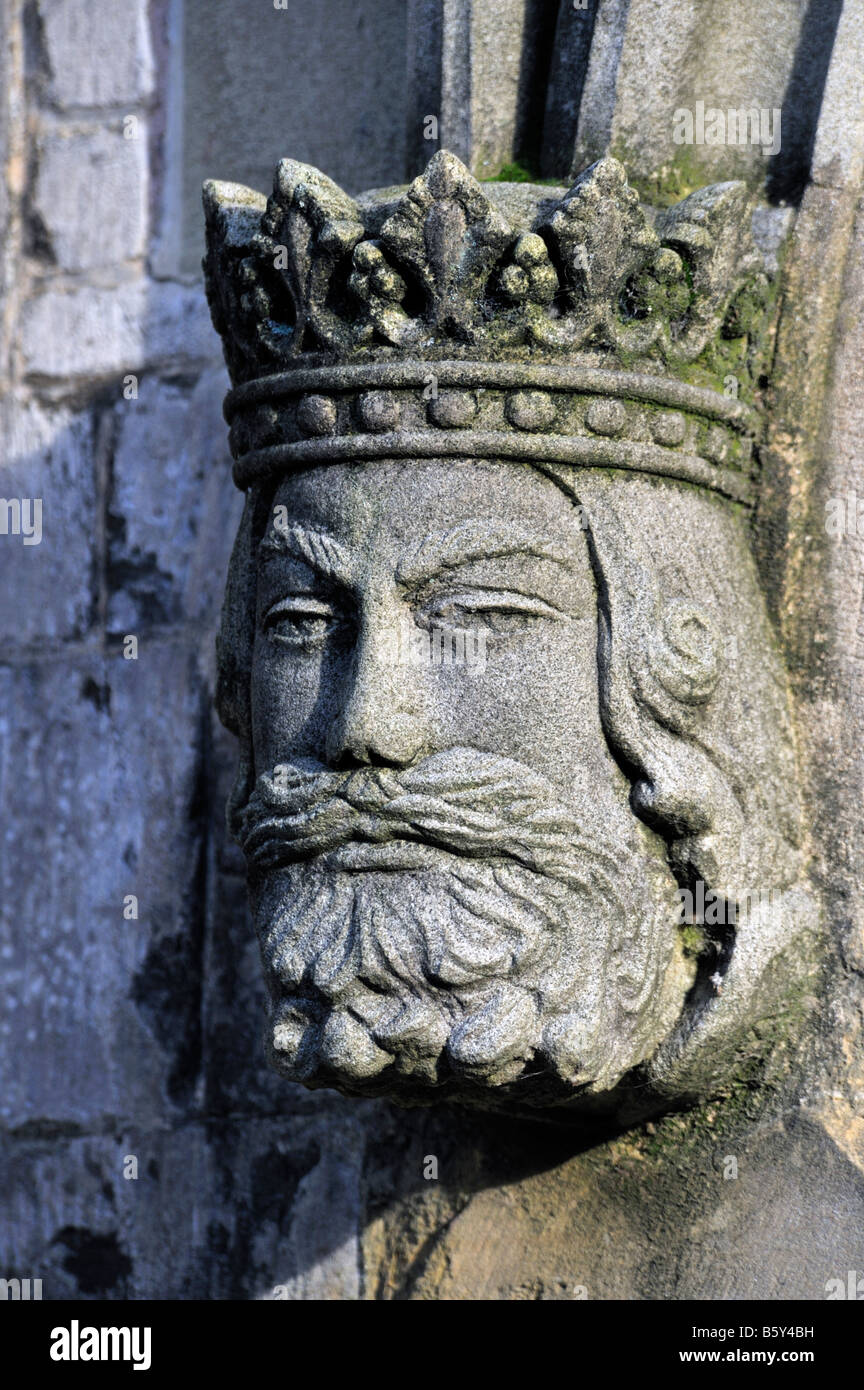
458 319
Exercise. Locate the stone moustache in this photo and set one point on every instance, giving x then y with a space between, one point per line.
499 417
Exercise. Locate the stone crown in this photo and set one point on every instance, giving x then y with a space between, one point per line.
460 319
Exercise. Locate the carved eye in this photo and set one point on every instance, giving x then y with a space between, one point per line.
499 612
301 621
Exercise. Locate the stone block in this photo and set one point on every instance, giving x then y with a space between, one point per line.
260 1209
91 195
85 333
101 809
94 333
174 509
98 51
838 150
46 577
346 72
648 61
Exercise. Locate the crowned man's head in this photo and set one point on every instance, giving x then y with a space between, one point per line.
493 642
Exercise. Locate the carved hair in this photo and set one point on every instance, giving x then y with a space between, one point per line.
693 694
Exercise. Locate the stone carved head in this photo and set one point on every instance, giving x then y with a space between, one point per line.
516 790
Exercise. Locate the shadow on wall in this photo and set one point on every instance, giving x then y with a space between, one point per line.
789 168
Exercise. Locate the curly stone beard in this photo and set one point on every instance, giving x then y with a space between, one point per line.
454 927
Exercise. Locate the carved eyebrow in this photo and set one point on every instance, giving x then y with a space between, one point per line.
313 548
475 540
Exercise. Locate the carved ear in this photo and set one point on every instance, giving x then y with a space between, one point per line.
678 786
659 662
658 667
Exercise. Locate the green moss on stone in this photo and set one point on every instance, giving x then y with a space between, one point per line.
517 172
666 186
694 940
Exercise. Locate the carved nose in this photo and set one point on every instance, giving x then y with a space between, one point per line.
383 720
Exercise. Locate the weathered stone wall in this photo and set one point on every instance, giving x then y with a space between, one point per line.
129 1028
137 1036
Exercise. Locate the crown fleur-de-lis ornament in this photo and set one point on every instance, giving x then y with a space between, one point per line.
612 321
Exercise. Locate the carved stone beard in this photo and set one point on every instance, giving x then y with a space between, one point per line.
454 927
